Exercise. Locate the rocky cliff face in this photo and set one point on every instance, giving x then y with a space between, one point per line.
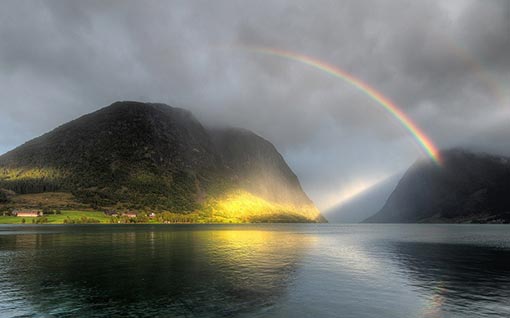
468 187
151 155
258 167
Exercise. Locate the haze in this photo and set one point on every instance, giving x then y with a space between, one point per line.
445 65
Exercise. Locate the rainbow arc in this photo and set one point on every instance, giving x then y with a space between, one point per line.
421 138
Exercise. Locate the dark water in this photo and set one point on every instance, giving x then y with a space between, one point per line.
255 271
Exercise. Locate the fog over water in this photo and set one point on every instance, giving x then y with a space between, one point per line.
443 63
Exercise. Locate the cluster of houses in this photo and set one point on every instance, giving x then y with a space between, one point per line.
115 213
127 214
37 213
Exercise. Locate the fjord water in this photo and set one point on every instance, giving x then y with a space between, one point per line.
255 271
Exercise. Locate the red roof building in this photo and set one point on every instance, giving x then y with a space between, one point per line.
28 213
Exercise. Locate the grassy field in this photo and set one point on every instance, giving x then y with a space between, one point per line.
233 207
58 218
243 207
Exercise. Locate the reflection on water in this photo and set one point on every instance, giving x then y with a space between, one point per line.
462 279
153 271
376 271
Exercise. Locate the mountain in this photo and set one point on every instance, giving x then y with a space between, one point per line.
133 155
467 188
363 205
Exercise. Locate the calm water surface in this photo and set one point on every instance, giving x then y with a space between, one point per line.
255 271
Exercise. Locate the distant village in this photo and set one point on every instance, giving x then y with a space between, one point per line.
40 213
47 215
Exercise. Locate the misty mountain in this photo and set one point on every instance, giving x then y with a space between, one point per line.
467 187
363 205
144 155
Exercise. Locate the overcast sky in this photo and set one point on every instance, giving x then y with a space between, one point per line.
445 63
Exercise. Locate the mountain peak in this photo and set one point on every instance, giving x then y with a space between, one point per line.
129 105
152 155
467 187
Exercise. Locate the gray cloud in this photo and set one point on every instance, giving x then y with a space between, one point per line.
445 64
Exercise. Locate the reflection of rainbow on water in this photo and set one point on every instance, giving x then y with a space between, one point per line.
435 305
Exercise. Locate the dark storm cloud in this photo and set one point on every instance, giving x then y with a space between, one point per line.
444 63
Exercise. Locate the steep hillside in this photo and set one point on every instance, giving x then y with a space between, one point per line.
468 187
152 156
255 164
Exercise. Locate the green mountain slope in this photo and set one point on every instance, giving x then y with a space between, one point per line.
133 155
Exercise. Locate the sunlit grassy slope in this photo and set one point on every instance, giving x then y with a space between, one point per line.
241 206
235 207
16 174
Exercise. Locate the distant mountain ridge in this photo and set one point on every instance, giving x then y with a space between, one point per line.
467 188
149 155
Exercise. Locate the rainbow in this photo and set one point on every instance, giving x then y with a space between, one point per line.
476 67
425 143
479 71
